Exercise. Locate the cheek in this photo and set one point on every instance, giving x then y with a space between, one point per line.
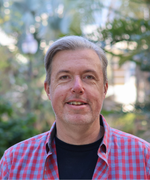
96 93
97 98
57 96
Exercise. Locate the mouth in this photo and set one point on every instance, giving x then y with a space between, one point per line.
76 103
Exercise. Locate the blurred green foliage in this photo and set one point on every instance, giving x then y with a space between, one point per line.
129 31
14 129
126 122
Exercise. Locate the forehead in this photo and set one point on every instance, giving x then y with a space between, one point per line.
68 56
76 62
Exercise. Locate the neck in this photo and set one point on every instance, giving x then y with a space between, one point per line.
79 134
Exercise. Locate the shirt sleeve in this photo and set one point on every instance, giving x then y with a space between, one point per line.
147 159
3 168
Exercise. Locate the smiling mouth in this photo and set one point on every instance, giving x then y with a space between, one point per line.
75 103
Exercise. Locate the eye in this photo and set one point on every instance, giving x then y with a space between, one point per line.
64 77
89 77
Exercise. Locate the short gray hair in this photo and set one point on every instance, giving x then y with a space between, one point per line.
73 43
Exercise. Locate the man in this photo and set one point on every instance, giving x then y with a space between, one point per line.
80 144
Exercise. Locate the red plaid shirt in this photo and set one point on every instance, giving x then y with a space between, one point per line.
120 156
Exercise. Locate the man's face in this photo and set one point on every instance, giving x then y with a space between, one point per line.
77 90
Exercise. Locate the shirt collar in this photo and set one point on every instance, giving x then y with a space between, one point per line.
50 138
104 148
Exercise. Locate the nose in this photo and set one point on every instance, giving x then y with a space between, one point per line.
77 86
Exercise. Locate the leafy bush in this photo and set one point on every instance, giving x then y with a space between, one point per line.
12 129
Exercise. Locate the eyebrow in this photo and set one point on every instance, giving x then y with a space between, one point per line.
66 71
85 71
62 71
90 70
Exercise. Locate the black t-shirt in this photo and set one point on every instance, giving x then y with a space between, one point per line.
76 161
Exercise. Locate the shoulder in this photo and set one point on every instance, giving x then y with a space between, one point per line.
31 142
128 140
19 156
26 146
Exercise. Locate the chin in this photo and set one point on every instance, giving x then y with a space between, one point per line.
79 120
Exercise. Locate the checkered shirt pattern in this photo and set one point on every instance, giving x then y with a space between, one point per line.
120 156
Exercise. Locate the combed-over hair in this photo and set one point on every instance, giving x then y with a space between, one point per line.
73 43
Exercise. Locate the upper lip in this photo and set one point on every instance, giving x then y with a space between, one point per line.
77 100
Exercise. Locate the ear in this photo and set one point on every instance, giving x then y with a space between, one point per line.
47 89
105 89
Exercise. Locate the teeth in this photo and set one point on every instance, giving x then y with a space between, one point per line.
76 103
